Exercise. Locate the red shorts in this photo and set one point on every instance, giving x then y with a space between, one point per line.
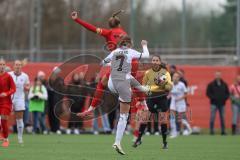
5 110
133 108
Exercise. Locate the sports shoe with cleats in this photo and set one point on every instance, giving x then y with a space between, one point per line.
118 148
5 143
137 143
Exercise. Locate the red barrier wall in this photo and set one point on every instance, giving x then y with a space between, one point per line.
198 77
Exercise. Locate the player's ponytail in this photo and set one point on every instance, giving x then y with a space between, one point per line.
114 21
117 13
2 59
24 62
163 65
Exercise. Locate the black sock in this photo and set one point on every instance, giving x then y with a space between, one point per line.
141 130
164 133
234 129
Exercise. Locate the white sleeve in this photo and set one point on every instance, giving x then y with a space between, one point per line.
45 94
145 53
108 59
136 54
31 94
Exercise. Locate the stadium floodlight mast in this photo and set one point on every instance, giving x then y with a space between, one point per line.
238 33
183 30
35 29
83 31
132 19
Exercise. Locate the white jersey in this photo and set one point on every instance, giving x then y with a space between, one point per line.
121 61
178 91
121 80
20 82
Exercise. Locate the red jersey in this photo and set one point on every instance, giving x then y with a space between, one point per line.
112 37
7 86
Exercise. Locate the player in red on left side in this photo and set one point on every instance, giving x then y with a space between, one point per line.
112 36
7 88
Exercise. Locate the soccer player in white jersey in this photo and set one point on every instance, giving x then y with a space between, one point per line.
121 81
22 83
178 105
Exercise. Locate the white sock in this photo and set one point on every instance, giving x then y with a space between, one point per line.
173 124
185 123
144 89
122 123
20 127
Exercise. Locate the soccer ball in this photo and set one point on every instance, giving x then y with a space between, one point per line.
163 77
196 130
160 79
186 132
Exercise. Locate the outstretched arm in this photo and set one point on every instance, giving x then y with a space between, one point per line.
145 53
88 26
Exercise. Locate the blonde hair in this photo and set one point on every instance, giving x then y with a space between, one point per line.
2 60
23 62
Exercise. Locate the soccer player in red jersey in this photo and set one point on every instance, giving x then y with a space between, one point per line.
7 88
112 36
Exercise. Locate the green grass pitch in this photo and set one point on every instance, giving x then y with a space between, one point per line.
90 147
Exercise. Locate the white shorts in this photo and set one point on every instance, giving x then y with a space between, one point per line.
177 107
110 85
18 104
122 88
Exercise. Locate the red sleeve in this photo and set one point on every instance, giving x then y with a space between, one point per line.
90 27
12 87
104 32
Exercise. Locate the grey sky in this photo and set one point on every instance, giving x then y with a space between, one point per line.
202 6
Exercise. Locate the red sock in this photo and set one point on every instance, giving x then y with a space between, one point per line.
136 133
98 95
0 127
4 124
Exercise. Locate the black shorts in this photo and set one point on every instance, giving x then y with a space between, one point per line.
157 103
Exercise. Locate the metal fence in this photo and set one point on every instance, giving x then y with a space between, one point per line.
193 56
